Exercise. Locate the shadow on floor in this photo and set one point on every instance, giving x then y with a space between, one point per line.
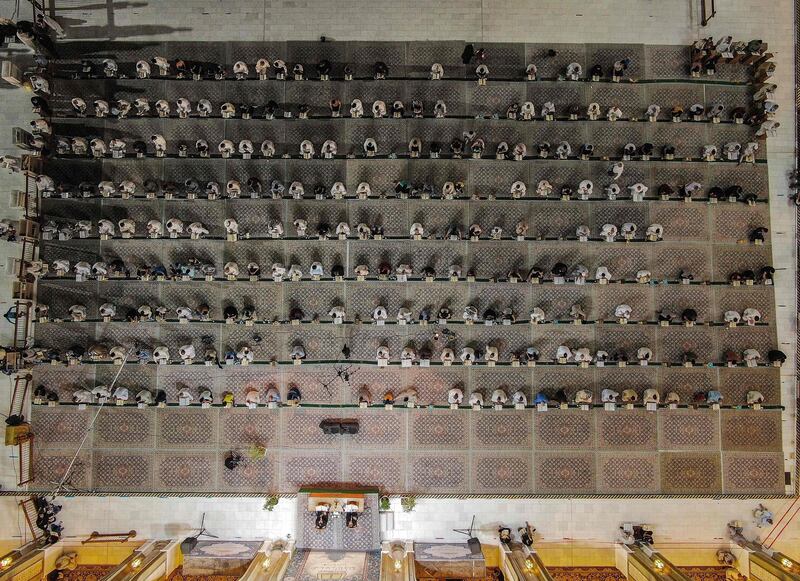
76 28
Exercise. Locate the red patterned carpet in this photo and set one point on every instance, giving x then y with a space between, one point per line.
88 572
612 574
177 575
705 573
586 573
422 576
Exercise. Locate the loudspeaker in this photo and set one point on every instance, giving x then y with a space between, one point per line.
188 544
474 546
329 426
336 426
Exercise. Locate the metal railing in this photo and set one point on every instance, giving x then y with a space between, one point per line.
19 395
708 14
22 323
96 537
32 203
26 472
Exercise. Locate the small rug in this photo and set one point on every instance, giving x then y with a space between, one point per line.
226 558
343 566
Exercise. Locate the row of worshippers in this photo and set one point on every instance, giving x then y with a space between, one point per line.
126 228
455 396
108 312
194 268
241 70
489 354
263 69
183 108
254 188
185 397
499 397
705 56
466 146
468 355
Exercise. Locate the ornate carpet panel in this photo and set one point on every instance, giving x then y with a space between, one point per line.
757 433
493 472
502 430
186 470
53 467
705 573
310 468
241 427
629 431
586 574
430 449
309 565
88 572
253 474
438 472
439 430
628 472
386 470
688 430
682 451
132 470
125 428
179 575
681 473
564 472
564 429
751 473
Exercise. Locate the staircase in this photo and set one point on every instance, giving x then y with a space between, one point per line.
19 395
26 473
29 511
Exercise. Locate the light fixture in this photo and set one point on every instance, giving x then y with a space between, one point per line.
398 564
787 563
136 563
266 564
658 564
9 559
529 564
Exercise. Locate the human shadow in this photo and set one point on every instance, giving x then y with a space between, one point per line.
78 29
